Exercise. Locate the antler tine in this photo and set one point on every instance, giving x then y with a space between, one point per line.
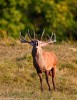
23 40
42 34
26 35
54 37
29 35
34 34
21 35
50 37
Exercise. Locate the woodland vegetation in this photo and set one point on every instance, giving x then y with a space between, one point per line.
59 16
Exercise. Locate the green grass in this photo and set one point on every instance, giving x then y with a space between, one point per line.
19 80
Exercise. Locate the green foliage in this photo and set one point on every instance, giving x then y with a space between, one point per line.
59 16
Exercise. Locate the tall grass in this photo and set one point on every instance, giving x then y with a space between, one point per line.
18 77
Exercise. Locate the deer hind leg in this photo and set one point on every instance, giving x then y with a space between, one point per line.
53 75
47 79
41 81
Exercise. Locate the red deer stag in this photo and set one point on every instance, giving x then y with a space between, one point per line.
42 61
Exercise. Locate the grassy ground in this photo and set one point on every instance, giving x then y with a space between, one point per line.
19 80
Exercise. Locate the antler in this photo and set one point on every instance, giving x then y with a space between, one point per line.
53 38
42 34
23 40
34 34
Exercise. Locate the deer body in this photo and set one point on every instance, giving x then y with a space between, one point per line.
42 61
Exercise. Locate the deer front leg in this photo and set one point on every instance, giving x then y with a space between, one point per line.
47 79
41 81
53 74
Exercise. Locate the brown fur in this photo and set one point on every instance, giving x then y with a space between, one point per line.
44 62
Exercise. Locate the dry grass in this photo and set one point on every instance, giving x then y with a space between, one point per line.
19 80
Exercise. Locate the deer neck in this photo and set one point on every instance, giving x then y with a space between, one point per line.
38 59
37 54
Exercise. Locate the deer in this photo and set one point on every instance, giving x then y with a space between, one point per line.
43 61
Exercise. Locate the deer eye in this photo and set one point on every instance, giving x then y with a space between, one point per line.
37 43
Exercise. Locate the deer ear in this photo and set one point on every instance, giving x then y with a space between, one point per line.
37 43
31 43
42 44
